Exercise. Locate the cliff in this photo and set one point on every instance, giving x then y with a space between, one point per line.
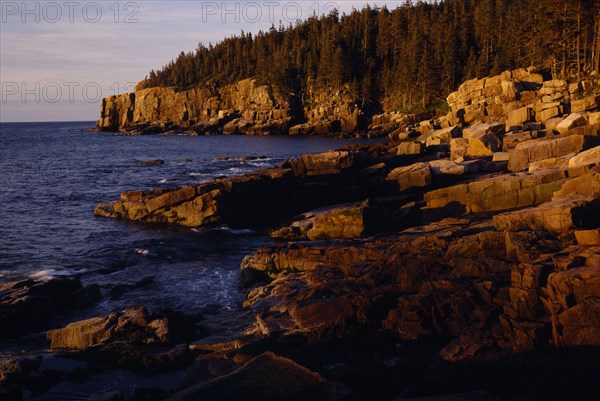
241 108
198 108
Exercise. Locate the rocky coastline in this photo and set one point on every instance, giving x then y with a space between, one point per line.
459 260
246 108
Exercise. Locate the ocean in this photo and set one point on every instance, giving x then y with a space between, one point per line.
52 175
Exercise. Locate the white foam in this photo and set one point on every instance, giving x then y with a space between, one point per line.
142 251
163 181
48 274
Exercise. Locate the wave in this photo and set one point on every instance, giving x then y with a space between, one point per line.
51 273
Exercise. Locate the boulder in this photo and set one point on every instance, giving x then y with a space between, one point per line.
321 314
560 162
500 157
517 118
333 162
410 148
461 148
572 121
527 152
588 237
416 175
585 104
348 222
511 140
273 261
447 167
547 114
133 325
440 136
302 129
488 134
503 192
586 184
559 215
594 118
83 334
586 158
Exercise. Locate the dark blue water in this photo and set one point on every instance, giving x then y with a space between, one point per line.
53 174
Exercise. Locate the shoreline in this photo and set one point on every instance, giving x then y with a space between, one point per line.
458 259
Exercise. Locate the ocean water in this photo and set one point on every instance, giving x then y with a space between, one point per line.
52 175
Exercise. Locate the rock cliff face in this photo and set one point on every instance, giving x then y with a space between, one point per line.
197 109
245 107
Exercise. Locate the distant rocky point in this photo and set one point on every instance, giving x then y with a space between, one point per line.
246 108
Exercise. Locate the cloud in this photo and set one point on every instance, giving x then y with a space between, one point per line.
108 52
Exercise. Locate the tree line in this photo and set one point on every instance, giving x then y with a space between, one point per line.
412 56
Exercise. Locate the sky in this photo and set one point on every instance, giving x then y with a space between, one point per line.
59 58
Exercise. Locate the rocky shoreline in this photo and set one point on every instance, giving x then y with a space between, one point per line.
246 108
460 260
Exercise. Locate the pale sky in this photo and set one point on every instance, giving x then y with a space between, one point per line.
59 58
